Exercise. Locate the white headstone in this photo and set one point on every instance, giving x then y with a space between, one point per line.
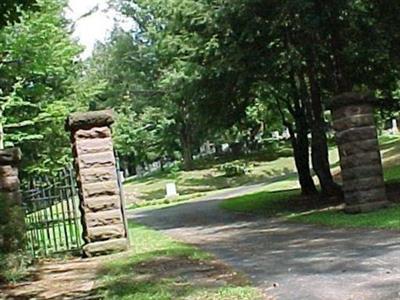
171 190
276 135
122 176
395 129
225 147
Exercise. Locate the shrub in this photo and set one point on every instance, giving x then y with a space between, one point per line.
14 267
233 169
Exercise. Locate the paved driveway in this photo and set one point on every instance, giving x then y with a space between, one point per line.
288 261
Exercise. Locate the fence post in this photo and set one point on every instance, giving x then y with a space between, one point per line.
12 221
360 159
103 223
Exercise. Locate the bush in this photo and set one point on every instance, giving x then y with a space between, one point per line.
14 267
233 169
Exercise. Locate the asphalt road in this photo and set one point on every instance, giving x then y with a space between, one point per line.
287 261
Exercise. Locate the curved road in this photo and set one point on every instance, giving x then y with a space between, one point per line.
287 261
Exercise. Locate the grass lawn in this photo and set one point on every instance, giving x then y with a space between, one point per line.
158 268
207 177
383 219
286 202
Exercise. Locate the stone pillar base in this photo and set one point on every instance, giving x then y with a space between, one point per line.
366 207
103 217
360 159
105 247
12 215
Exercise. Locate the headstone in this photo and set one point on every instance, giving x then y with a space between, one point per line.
171 190
103 218
12 220
395 129
286 134
275 135
122 176
225 147
360 159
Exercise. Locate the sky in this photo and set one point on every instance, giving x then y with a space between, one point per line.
95 27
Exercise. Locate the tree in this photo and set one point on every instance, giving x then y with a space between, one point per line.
10 10
40 88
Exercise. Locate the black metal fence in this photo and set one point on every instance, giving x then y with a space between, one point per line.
52 214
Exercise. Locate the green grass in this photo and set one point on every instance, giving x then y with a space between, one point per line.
267 203
159 268
54 229
208 177
164 202
383 219
392 174
285 204
263 167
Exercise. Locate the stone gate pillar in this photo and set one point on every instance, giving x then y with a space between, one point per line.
12 221
360 159
103 220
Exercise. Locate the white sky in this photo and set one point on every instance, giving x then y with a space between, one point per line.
97 26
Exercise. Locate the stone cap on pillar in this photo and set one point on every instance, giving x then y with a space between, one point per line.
86 120
11 156
352 98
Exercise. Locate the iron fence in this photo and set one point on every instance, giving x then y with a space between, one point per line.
52 216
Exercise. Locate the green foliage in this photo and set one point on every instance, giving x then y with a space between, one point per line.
14 267
40 87
12 225
11 9
233 169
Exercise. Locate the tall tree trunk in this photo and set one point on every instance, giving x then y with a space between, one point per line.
187 147
319 142
1 130
300 145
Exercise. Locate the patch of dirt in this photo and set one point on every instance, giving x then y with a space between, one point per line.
199 273
76 279
72 279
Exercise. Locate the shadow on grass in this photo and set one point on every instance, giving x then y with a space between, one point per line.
160 268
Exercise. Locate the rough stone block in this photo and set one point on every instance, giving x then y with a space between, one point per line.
366 207
95 204
373 170
90 119
363 184
351 110
8 171
107 188
360 159
356 134
11 198
93 133
353 121
93 175
102 233
9 184
105 247
357 147
371 195
103 218
89 146
96 160
10 156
